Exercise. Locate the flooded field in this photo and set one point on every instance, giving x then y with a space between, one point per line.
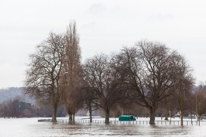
29 127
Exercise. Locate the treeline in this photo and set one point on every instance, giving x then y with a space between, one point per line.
148 74
17 107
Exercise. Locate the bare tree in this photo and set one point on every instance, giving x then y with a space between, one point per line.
168 104
198 101
184 82
42 76
102 79
88 97
71 72
149 71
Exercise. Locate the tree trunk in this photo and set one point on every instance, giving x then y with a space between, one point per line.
90 113
166 115
54 112
199 114
191 115
70 117
196 108
73 118
152 116
54 107
181 117
107 116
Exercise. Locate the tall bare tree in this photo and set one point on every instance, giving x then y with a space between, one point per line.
71 71
183 82
149 71
42 76
102 79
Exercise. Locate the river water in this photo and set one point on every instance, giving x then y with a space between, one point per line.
30 127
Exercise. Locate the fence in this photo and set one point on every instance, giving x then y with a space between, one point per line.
157 122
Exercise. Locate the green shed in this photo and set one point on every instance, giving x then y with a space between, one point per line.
127 118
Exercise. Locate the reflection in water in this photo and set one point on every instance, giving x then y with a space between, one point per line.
30 127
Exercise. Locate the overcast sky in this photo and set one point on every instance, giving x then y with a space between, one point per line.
104 26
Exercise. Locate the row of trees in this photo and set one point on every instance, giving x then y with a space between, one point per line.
18 107
15 108
146 74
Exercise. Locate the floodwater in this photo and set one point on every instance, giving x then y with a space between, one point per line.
30 127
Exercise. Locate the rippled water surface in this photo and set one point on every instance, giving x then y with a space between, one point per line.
30 127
